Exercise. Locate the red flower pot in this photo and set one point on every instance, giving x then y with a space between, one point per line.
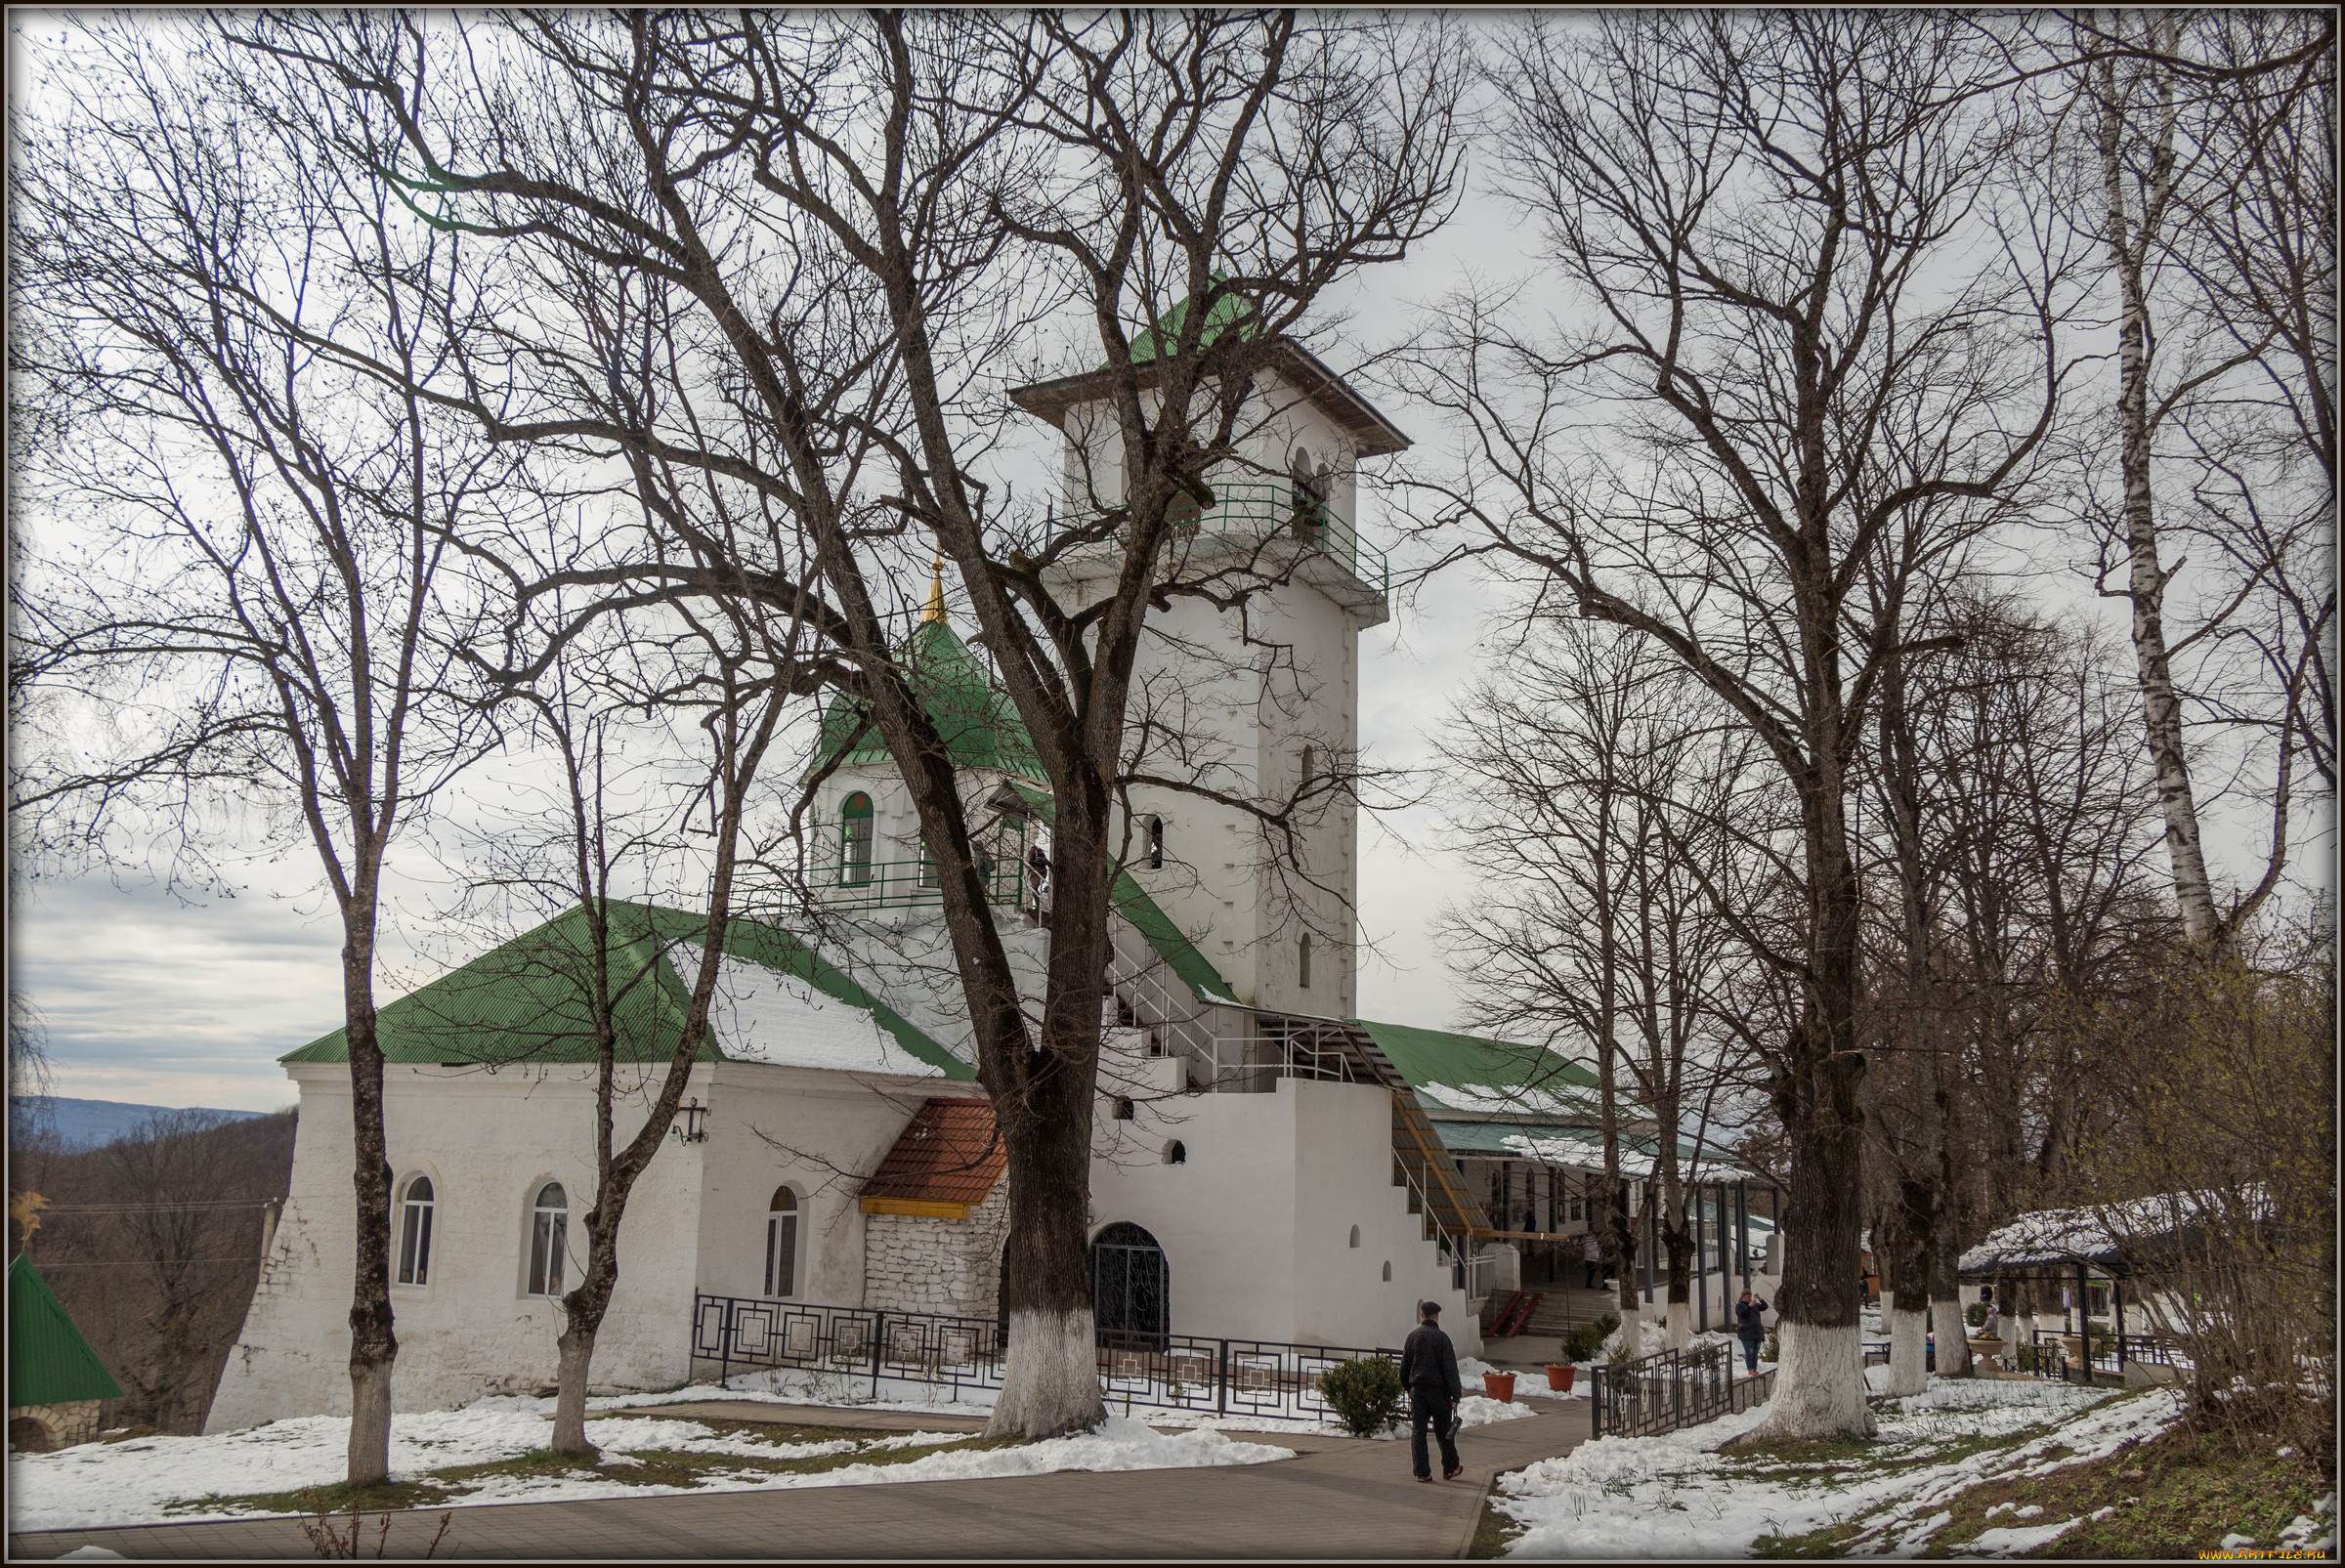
1499 1386
1560 1377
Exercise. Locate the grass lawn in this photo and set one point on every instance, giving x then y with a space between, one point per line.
2176 1496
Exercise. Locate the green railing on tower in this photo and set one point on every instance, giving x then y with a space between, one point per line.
852 881
1275 512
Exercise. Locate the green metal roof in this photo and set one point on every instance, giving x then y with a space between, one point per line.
1180 954
1229 310
1470 1072
1580 1146
527 1001
975 718
49 1361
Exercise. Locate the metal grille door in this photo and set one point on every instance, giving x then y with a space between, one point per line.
1131 1289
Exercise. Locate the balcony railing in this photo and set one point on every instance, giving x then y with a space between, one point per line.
903 884
1277 513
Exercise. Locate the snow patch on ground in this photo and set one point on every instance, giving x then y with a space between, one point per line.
151 1479
1476 1411
1676 1496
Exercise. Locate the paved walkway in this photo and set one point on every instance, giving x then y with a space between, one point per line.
1339 1498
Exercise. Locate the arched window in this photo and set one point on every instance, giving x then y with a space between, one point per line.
1355 1235
415 1205
1311 766
1387 1271
782 1244
1156 843
1308 487
855 840
549 1238
1177 1153
1124 1109
1303 961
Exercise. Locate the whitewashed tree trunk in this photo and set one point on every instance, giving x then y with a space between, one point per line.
1909 1350
576 1359
1819 1386
1051 1376
1953 1338
1678 1326
369 1423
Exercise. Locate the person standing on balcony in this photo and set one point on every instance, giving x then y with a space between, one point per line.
1750 1326
1428 1371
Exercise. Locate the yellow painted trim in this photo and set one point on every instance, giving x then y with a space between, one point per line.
924 1207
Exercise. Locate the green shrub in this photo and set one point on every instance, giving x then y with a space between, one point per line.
1364 1394
1976 1314
1586 1341
1770 1352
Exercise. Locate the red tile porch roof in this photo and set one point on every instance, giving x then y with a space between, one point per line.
949 1153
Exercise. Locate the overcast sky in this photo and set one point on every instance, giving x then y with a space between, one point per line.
149 1000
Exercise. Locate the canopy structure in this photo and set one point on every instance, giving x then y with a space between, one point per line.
1582 1148
2115 1240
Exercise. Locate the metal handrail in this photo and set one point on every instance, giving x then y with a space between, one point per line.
1268 510
891 884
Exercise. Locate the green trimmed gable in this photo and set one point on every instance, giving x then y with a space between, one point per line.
49 1361
527 1001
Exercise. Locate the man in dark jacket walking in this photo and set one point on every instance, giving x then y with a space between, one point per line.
1428 1371
1749 1327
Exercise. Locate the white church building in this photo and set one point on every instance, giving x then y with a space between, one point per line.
1266 1166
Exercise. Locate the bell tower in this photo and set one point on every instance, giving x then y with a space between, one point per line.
1257 701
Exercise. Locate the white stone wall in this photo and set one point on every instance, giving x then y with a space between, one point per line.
696 1222
946 1267
489 1142
1257 1221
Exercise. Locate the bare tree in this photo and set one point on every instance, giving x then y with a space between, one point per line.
923 173
2215 205
1595 797
1749 207
239 542
713 673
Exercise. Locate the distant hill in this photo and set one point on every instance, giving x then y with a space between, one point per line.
94 1124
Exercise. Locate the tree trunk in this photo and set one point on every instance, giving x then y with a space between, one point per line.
576 1346
373 1346
1952 1329
1820 1391
1624 1249
1051 1370
1042 1101
1677 1248
1909 1326
2146 580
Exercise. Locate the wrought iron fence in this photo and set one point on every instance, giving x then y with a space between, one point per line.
2050 1355
913 1353
1676 1388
